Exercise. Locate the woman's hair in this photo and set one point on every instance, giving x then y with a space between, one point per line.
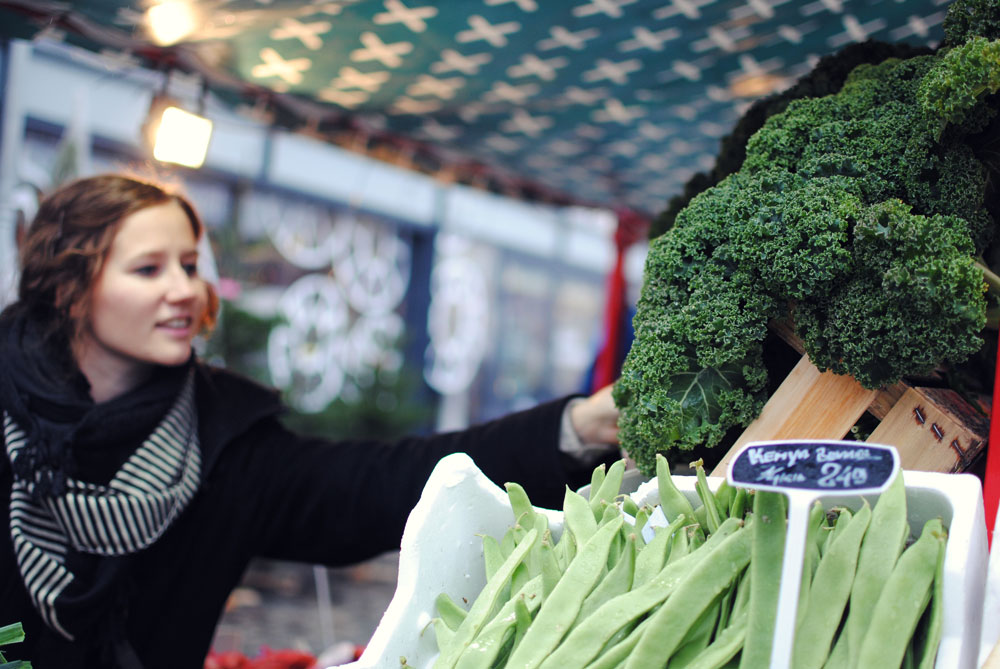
69 239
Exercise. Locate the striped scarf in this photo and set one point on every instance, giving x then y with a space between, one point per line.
128 514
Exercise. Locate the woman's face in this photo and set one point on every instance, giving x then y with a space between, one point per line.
147 302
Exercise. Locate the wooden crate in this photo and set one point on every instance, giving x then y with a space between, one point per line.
934 429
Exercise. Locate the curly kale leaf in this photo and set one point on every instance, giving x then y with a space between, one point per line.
669 401
959 81
971 18
916 299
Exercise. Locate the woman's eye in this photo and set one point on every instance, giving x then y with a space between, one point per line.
146 270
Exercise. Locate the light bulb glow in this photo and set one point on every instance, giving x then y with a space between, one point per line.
171 21
182 138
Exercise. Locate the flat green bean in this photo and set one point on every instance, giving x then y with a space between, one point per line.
484 604
839 654
832 585
519 502
610 487
738 505
578 517
708 501
699 636
561 607
724 647
902 601
843 519
597 477
614 656
672 500
884 542
618 580
654 555
705 582
591 634
483 650
451 613
768 531
935 622
493 555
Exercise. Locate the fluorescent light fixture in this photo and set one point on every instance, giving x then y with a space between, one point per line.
171 21
182 138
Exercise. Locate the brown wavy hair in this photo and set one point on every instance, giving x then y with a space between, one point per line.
68 241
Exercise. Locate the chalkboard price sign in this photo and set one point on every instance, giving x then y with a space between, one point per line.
826 466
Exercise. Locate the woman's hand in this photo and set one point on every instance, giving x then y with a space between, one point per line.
596 418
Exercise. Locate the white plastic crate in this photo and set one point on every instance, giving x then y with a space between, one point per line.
441 551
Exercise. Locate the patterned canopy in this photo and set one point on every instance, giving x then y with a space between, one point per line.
610 102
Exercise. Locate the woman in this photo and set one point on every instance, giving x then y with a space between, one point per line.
139 482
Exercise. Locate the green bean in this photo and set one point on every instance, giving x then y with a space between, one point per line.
672 500
902 601
839 654
615 655
561 607
738 505
843 520
493 555
654 555
443 635
724 495
451 613
724 647
610 487
641 519
671 622
597 477
484 604
879 551
712 512
565 549
552 570
628 505
618 580
765 577
726 607
483 650
817 521
578 517
508 543
519 502
592 633
699 636
935 622
832 586
816 534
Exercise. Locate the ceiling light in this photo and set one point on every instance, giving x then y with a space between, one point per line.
756 85
181 137
171 21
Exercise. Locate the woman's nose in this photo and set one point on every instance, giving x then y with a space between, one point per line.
182 286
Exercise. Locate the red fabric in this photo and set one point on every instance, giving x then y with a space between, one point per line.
631 228
991 482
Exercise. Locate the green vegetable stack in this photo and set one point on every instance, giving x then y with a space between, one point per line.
703 591
860 216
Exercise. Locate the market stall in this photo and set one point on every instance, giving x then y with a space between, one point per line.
816 330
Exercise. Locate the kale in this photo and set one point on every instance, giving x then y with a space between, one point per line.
858 215
971 18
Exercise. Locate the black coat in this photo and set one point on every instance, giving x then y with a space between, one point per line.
268 492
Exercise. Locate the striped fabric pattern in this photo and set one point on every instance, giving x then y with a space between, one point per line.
127 515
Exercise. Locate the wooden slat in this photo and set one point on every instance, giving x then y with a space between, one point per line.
809 404
933 429
885 397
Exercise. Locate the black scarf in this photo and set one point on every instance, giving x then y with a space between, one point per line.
66 450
